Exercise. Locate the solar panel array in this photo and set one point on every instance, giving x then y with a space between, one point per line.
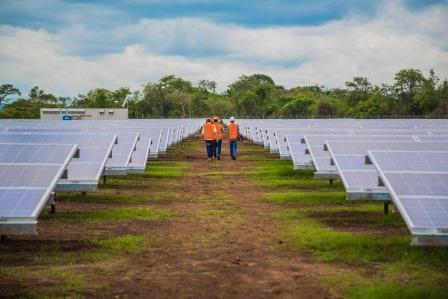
38 158
398 160
28 175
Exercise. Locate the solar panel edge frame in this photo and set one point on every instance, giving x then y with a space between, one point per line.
320 175
122 170
296 165
354 193
420 237
137 169
155 154
67 185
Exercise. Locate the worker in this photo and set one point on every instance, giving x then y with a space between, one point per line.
234 135
209 135
219 131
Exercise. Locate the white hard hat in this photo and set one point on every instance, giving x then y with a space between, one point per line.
232 118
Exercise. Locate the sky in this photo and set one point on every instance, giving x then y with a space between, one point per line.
69 47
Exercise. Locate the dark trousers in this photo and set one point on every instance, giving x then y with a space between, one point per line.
217 151
233 147
210 145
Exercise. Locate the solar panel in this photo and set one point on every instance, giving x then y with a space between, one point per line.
84 171
121 154
44 130
359 178
27 181
159 136
286 138
322 159
30 153
418 183
432 138
140 156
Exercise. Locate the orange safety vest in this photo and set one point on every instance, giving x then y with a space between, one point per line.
218 127
233 131
208 131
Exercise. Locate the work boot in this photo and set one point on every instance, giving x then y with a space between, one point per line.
233 157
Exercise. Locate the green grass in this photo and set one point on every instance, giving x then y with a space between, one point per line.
302 184
329 198
126 243
113 215
280 169
72 253
401 271
161 170
362 215
114 196
276 174
328 244
395 290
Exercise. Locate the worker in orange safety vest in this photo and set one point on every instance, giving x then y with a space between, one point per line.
209 135
234 135
219 131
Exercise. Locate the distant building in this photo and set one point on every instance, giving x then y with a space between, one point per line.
83 113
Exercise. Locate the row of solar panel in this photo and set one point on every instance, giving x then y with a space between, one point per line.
38 158
404 161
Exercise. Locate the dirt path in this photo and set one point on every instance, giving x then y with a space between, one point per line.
223 244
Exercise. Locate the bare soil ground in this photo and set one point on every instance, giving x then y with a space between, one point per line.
221 243
224 244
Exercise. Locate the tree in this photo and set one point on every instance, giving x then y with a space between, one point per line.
358 90
407 84
119 96
99 98
249 104
299 106
21 108
325 108
375 105
207 86
7 90
442 107
39 96
426 98
245 87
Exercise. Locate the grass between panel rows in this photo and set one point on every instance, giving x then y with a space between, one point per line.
113 215
373 249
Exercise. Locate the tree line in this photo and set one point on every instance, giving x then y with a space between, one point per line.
412 94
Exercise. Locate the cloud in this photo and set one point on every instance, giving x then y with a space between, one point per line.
79 57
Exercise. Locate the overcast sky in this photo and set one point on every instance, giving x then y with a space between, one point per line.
69 47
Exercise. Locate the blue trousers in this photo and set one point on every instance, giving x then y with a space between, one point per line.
210 145
233 147
218 144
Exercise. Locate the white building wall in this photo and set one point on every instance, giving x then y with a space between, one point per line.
84 113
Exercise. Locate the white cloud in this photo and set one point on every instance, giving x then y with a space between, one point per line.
329 54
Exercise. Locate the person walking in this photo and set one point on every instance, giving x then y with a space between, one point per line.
219 131
234 134
209 135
